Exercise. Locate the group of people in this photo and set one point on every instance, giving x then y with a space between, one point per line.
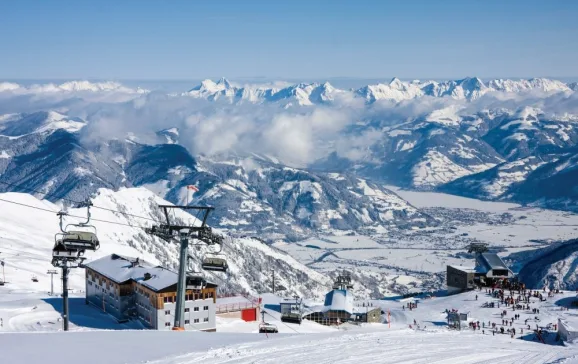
516 296
410 305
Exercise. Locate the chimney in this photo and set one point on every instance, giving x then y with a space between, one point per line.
134 263
147 276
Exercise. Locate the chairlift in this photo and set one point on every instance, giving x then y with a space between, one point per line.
79 240
215 262
291 311
267 328
34 279
195 282
293 317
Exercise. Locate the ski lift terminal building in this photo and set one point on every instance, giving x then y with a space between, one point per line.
128 288
488 269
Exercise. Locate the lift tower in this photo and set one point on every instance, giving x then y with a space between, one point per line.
176 232
70 244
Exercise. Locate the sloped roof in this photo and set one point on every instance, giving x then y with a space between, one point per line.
339 300
469 269
121 269
491 261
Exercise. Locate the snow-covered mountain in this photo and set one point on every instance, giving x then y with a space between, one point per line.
70 86
554 266
46 152
307 94
121 231
272 200
300 94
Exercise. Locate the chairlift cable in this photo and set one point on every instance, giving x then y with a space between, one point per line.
281 321
54 212
76 202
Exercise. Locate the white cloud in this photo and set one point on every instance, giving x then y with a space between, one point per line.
295 135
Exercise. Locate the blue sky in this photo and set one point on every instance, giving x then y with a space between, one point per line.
287 39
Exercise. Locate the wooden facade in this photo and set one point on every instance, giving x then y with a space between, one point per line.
157 299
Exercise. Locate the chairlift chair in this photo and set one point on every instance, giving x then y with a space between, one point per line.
293 317
215 262
80 240
195 281
294 314
267 328
34 279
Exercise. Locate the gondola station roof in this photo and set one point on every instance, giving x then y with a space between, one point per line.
339 300
122 269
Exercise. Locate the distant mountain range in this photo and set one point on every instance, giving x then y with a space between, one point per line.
395 90
523 153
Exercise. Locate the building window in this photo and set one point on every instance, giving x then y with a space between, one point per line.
205 308
167 312
167 324
166 299
206 319
187 309
187 322
196 309
196 321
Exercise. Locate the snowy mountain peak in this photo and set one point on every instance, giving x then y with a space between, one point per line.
472 83
171 135
224 82
207 84
396 82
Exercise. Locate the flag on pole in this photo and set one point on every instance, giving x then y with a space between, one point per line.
191 188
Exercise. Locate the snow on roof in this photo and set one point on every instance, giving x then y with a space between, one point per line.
366 309
339 300
122 269
491 261
465 269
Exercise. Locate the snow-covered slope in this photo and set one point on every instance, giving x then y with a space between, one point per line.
528 132
28 238
554 266
16 125
403 340
271 200
46 152
496 182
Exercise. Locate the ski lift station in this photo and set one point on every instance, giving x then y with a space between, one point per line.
128 288
489 268
339 306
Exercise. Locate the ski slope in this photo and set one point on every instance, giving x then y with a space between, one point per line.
29 337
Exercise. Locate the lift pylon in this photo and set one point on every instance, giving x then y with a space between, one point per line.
177 232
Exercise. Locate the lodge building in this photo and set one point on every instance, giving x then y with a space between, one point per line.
130 288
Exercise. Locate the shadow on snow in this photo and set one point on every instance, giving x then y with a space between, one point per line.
89 316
